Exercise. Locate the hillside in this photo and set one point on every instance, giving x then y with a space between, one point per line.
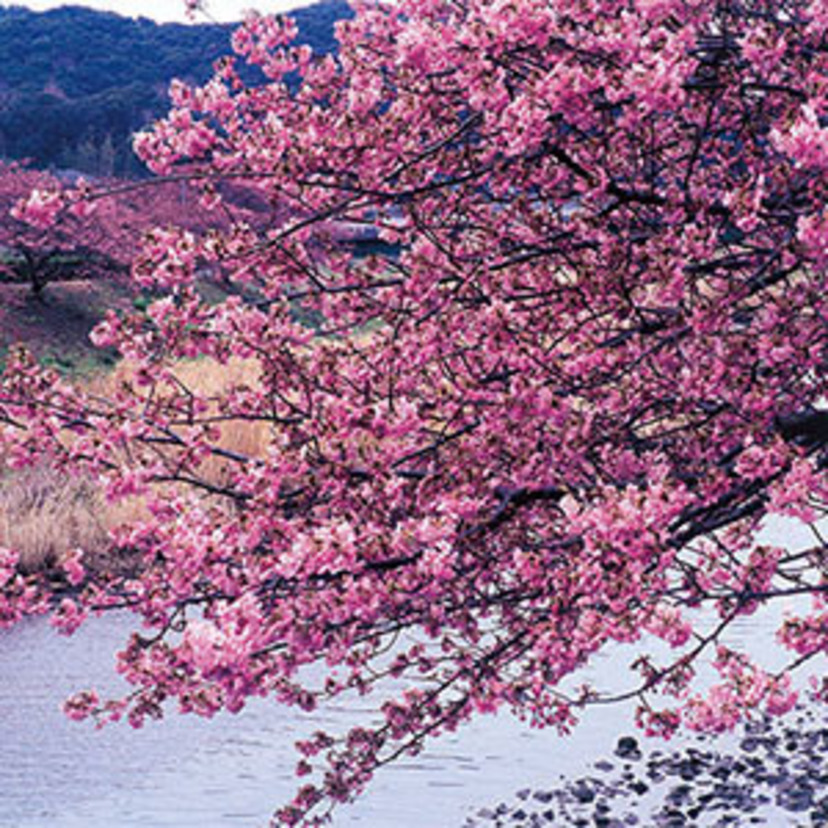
75 83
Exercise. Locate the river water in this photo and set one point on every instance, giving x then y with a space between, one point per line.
234 770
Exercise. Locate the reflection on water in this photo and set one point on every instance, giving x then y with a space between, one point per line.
233 770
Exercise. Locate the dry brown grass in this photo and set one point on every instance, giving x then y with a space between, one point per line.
45 513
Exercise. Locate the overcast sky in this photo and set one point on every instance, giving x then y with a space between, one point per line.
167 10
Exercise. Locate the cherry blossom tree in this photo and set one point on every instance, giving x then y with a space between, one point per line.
547 414
43 252
51 233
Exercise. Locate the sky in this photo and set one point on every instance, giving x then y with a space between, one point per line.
165 11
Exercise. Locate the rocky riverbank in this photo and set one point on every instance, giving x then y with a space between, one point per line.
774 772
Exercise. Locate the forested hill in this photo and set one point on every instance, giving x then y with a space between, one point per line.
75 83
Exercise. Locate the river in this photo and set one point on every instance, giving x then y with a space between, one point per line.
234 769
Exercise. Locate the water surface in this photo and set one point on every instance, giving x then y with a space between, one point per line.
234 770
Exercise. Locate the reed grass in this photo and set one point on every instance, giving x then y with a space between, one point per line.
46 513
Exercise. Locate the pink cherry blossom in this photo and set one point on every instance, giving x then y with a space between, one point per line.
534 337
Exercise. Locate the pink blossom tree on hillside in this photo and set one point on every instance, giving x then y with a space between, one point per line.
50 234
49 250
550 415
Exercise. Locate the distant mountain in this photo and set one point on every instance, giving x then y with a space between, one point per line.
76 83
